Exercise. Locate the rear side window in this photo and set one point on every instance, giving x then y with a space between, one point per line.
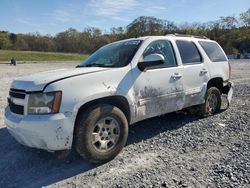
189 52
213 51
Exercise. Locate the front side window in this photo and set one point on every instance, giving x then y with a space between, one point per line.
213 51
117 54
164 48
189 52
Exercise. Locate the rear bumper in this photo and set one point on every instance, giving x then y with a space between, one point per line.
228 90
49 132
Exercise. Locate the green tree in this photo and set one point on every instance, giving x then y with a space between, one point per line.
13 39
21 43
4 40
116 33
245 18
145 25
228 22
67 41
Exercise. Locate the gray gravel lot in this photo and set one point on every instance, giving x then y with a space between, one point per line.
174 150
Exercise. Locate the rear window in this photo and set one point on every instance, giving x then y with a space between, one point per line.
189 52
213 51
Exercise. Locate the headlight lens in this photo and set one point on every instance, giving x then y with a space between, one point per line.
44 103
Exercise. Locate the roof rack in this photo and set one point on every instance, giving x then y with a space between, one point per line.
183 35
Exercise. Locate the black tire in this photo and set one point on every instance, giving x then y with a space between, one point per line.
86 127
205 109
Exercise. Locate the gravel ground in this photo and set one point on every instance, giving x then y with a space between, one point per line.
175 150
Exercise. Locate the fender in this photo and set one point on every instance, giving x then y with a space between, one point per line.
69 77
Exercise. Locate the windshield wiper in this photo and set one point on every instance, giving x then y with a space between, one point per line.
94 65
97 65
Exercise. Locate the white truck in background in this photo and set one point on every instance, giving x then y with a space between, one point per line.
124 82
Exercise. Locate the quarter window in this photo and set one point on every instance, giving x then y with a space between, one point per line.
164 48
189 52
213 51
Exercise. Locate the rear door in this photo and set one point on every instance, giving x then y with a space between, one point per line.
194 72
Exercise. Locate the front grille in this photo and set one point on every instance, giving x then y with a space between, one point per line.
18 94
17 109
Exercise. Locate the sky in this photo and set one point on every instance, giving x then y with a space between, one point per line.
53 16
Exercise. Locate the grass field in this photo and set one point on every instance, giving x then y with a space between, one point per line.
6 55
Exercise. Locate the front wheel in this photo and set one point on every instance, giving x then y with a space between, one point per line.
101 133
212 102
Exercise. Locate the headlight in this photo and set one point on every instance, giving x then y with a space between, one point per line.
44 103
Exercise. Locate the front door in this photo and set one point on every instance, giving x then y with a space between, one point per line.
159 90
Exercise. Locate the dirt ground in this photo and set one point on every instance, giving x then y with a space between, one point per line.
175 150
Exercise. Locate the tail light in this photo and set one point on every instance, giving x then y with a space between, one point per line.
229 71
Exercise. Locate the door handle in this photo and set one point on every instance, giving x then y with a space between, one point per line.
176 76
204 71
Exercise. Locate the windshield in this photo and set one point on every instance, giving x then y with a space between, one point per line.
117 54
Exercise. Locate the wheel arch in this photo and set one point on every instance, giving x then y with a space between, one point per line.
216 82
117 100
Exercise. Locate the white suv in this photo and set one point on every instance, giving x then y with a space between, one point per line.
91 106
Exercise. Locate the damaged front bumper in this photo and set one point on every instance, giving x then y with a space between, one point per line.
228 90
49 132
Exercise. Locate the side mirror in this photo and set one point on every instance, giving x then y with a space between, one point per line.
150 61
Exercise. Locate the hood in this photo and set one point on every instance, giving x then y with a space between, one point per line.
37 82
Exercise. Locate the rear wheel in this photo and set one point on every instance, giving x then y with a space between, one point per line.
101 133
212 102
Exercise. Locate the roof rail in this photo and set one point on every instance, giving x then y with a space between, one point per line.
183 35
